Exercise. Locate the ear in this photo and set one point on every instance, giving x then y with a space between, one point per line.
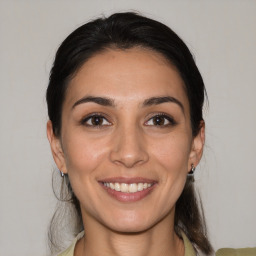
197 147
56 147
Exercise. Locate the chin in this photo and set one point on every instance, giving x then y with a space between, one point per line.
130 223
130 227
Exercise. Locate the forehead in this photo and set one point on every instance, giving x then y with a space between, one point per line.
134 74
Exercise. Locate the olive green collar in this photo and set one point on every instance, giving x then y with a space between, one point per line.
189 249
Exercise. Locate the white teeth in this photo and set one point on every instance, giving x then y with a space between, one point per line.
133 188
117 187
140 186
124 187
127 188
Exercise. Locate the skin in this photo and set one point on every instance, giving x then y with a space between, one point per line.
127 143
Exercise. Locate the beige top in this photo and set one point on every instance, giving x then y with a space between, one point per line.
189 249
236 252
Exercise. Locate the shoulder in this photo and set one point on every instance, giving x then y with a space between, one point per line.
189 249
236 252
70 250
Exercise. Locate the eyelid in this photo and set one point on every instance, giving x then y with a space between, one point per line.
168 117
95 114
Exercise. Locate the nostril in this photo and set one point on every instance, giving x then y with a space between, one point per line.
129 147
129 159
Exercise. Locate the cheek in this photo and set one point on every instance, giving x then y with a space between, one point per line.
83 158
172 152
82 154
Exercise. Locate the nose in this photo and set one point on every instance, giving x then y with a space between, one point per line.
129 147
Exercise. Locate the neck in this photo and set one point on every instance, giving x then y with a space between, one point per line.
158 240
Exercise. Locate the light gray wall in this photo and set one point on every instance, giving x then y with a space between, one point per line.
222 36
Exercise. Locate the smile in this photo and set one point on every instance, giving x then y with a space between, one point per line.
127 188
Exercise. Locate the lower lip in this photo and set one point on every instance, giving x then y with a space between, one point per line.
128 197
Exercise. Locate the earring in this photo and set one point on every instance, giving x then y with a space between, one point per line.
191 172
62 174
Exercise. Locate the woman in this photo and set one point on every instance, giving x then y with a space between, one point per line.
126 131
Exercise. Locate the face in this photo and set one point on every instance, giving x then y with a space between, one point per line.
126 141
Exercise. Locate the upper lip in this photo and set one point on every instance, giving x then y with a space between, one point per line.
127 180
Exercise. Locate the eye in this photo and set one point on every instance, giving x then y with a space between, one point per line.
161 120
95 120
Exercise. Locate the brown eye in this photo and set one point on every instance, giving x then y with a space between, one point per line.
160 120
96 120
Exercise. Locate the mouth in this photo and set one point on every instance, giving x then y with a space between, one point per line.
128 190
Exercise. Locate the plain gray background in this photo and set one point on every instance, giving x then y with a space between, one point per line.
222 36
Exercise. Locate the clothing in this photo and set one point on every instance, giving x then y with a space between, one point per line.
236 252
70 250
189 249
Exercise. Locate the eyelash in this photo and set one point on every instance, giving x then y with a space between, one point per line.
170 120
85 120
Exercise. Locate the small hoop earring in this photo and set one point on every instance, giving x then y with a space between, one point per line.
191 172
62 174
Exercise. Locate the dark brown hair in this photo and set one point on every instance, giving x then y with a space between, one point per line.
125 31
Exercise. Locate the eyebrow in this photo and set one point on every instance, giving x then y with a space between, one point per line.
99 100
160 100
110 102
